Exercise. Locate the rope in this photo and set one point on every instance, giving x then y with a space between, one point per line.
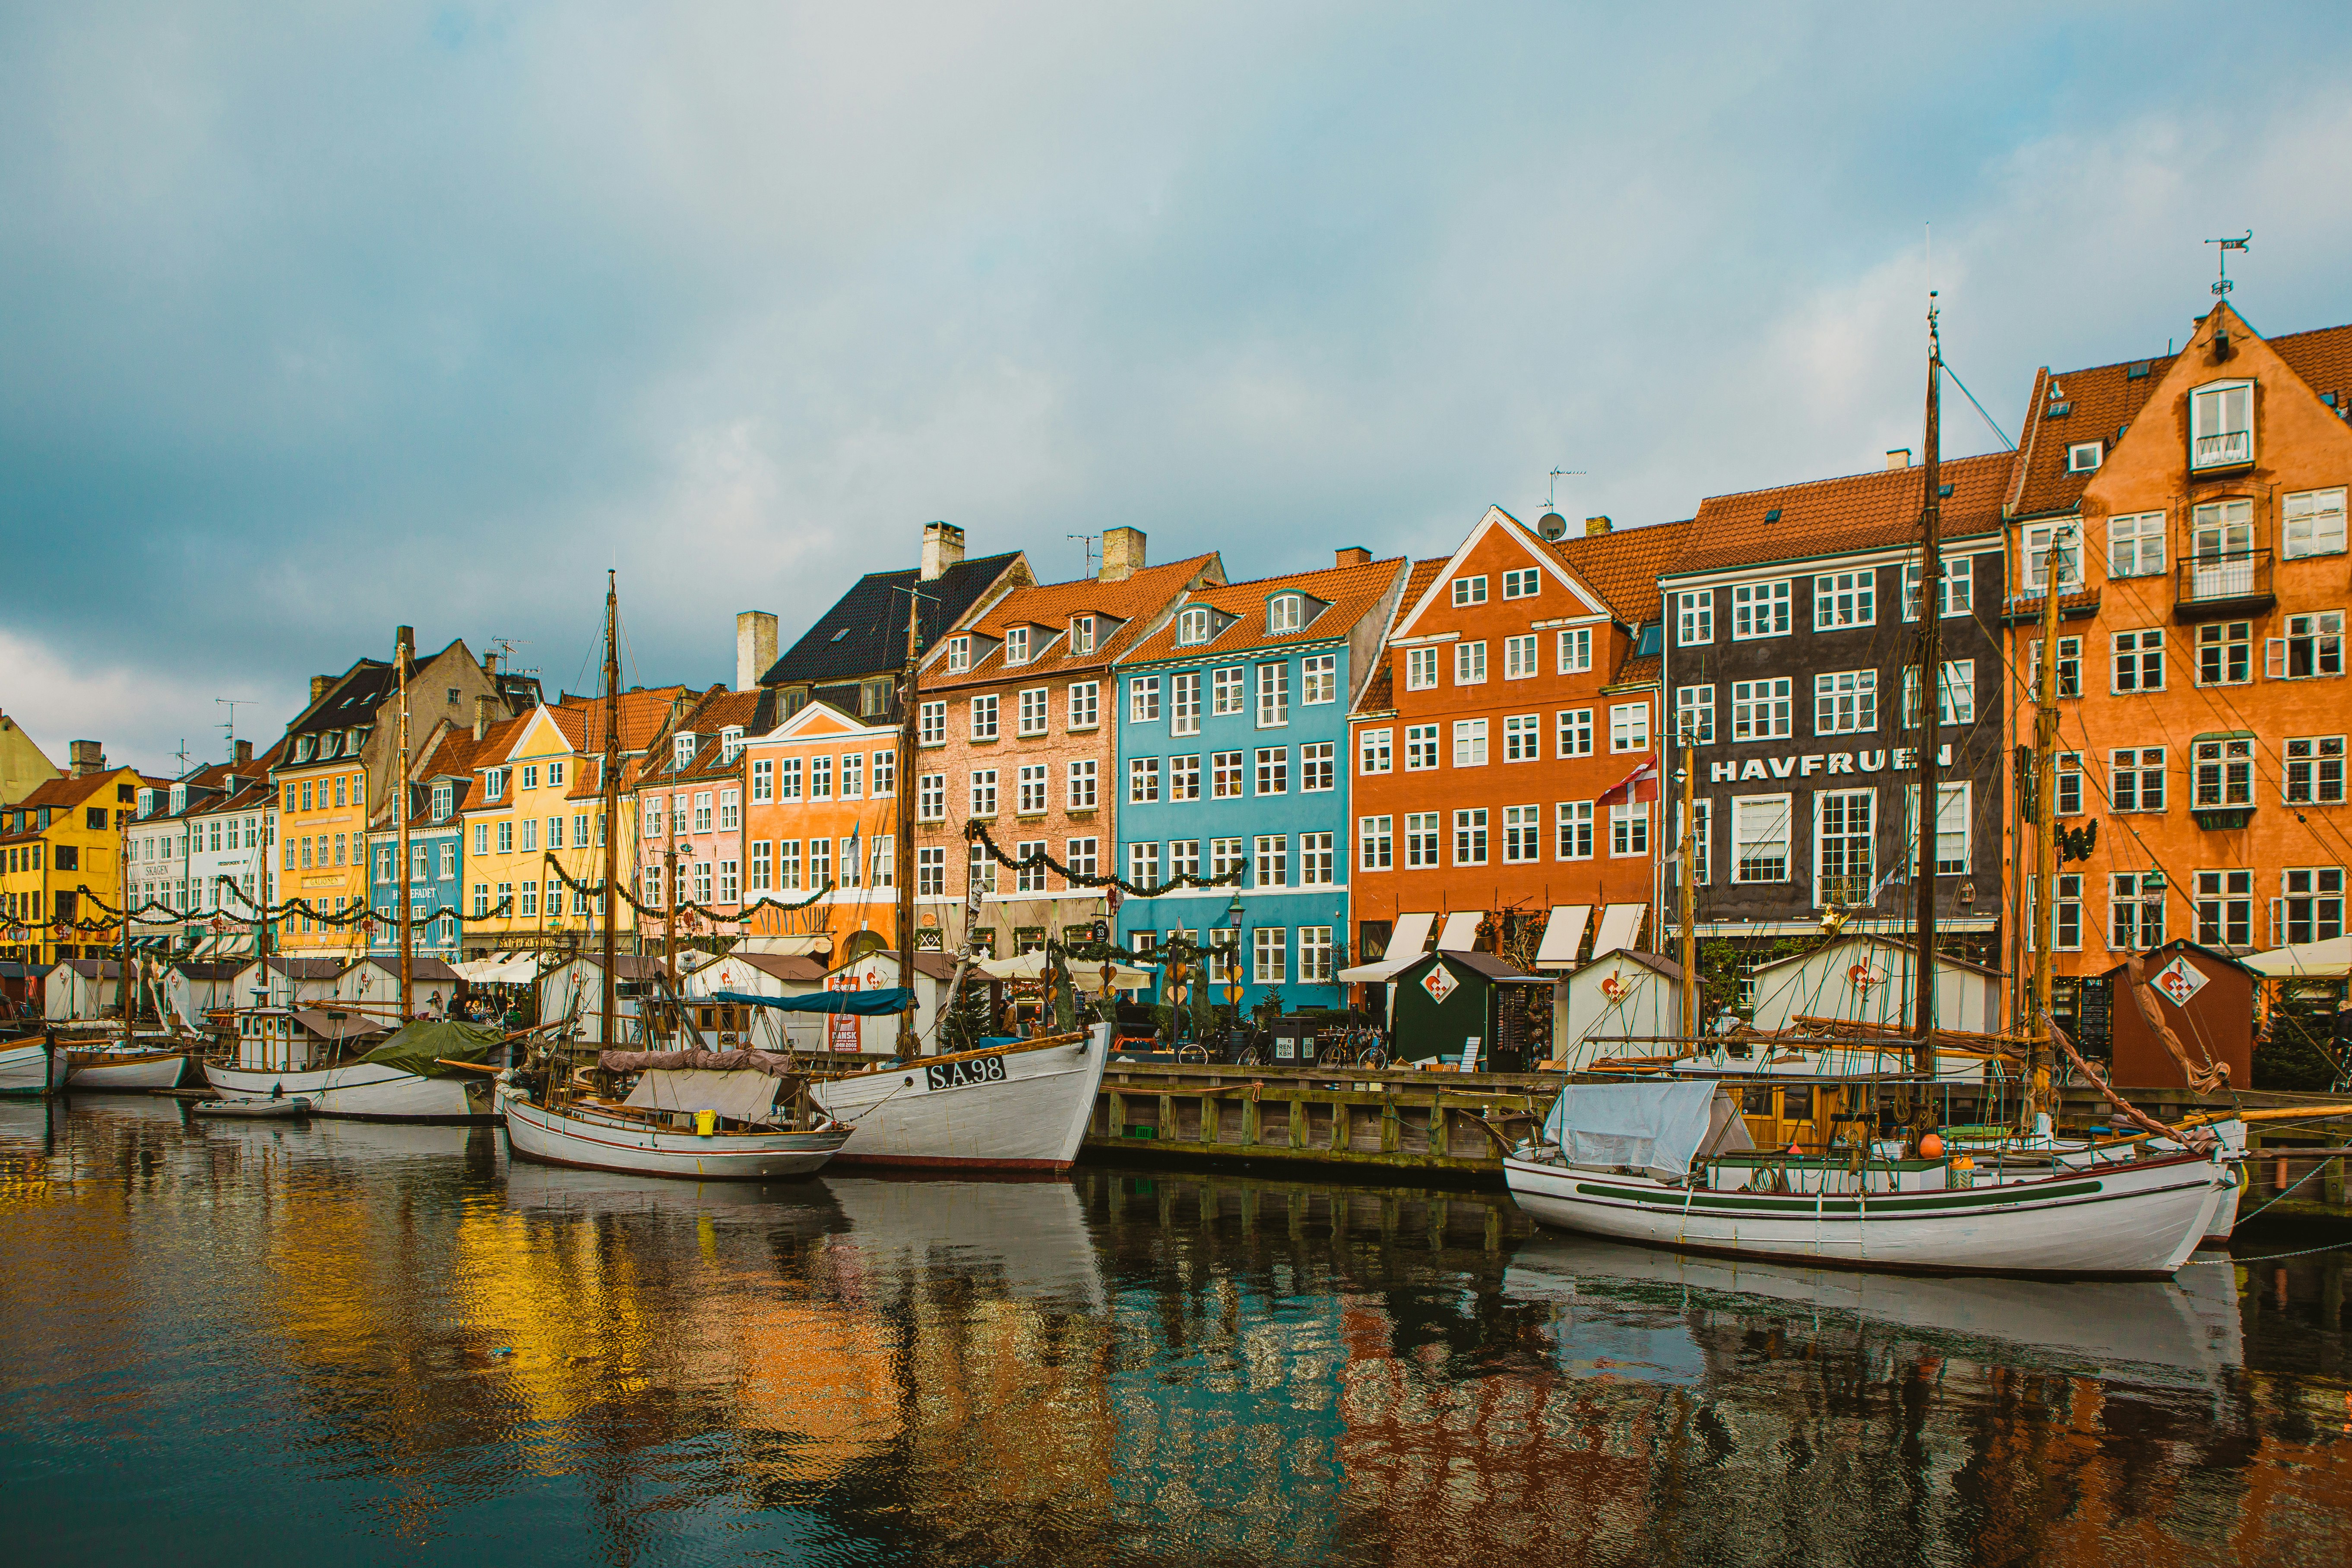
658 911
2281 1256
976 831
2290 1187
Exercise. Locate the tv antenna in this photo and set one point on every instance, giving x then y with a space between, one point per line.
1552 525
2222 285
1551 493
1090 541
182 754
232 704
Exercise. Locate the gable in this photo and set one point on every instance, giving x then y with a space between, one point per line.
1497 524
818 722
540 736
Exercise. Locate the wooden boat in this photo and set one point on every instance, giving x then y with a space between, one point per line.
652 1139
1020 1107
133 1067
289 1107
366 1091
1671 1165
30 1069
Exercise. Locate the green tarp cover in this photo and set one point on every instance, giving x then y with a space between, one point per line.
421 1047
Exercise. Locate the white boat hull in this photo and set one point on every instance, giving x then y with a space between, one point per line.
30 1070
105 1071
614 1143
962 1116
364 1091
2137 1221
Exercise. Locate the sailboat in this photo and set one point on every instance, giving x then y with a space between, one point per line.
32 1067
1671 1163
696 1114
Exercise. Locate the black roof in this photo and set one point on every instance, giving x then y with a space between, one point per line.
351 702
865 633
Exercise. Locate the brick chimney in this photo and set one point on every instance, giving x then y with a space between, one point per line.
481 717
1122 554
1355 555
318 684
942 548
244 753
1593 525
1898 457
755 647
85 758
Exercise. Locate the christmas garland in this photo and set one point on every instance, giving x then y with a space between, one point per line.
652 912
356 915
976 831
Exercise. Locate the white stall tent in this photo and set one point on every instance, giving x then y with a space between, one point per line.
83 988
1869 980
374 984
1614 1004
578 986
193 988
875 1037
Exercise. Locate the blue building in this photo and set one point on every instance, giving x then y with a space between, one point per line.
437 850
1233 742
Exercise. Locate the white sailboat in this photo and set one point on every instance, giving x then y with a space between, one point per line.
30 1069
128 1066
1012 1108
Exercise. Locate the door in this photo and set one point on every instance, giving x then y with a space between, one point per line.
2221 546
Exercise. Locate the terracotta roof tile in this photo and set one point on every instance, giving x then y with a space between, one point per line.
1831 517
1132 603
1349 593
1639 668
719 709
1623 565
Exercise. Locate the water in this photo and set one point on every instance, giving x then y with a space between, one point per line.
258 1343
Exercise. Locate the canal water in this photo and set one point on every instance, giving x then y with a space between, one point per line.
252 1344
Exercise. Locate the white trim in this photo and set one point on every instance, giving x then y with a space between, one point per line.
1812 565
1535 548
1430 641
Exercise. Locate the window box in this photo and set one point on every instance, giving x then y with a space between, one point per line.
2224 819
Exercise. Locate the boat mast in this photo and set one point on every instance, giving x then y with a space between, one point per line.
400 861
610 766
2045 858
122 889
1692 1022
1930 689
903 852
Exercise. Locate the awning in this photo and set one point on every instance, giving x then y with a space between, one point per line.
1563 936
2329 960
1461 933
855 1003
1089 977
1405 943
1621 926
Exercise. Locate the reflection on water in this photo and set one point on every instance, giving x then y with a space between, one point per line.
243 1342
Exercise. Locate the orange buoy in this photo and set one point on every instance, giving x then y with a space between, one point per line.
1930 1147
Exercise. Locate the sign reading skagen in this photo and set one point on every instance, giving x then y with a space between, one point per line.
1806 766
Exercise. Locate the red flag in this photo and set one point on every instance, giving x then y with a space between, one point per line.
1640 785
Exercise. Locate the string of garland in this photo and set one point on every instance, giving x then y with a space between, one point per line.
976 831
656 911
357 914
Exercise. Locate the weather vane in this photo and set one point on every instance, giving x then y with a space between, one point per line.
2222 285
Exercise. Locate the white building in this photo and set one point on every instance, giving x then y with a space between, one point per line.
1623 1004
230 835
1868 980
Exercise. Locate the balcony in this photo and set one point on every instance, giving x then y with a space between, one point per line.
2230 449
2209 586
2222 818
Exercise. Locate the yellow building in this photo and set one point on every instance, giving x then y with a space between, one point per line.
60 846
24 766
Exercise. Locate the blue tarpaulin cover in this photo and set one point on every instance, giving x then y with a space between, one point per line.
858 1004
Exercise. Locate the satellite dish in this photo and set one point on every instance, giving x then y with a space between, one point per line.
1552 525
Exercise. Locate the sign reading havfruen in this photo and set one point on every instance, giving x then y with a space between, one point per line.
2178 980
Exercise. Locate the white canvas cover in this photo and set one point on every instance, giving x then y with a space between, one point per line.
1657 1128
1563 935
1621 926
1406 943
1461 933
743 1096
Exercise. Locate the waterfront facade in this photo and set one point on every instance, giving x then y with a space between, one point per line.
61 841
822 813
689 793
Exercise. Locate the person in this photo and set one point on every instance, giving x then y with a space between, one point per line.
433 1005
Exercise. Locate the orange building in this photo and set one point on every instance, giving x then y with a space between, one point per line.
1505 760
2197 503
822 810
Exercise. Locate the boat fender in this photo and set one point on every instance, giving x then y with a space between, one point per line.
1931 1147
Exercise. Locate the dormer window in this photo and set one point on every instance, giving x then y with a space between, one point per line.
958 655
2222 425
1082 634
2083 457
179 798
1016 646
306 748
147 802
730 743
444 797
330 745
682 750
494 784
1285 613
1193 626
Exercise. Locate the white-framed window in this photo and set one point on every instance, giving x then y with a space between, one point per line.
1272 696
1273 857
2312 646
1184 777
2136 661
1629 830
2225 908
1224 856
2135 545
1763 710
1192 626
2225 653
1420 669
730 811
1470 742
984 718
2313 907
1016 644
1760 839
1374 754
1183 858
1142 781
1225 690
1420 836
788 864
1285 613
1315 861
1319 680
853 784
820 782
1029 876
1522 584
1269 950
763 780
1702 855
1033 710
2311 524
444 802
984 792
1957 699
1469 664
1523 737
2135 779
981 869
1843 823
2069 771
1695 617
2083 457
1470 837
1759 610
2222 771
1082 855
1958 594
886 773
1185 703
1844 599
2222 425
1519 657
1086 704
2070 667
1318 767
1845 702
764 866
1522 833
1084 778
958 655
1375 843
1143 699
1420 747
1575 650
2221 549
2040 538
1082 634
931 798
1573 821
1224 776
1574 731
1315 955
1694 715
1953 826
1469 590
1143 865
2068 908
932 872
1629 727
2314 770
1273 770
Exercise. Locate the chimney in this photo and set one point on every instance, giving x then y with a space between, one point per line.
85 758
1593 525
318 684
403 643
481 717
755 642
244 753
1122 554
942 548
1355 555
1898 457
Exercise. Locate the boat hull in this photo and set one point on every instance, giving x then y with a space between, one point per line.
2125 1222
29 1070
602 1143
112 1071
960 1116
364 1091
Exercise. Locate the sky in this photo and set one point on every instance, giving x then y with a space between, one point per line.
322 319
